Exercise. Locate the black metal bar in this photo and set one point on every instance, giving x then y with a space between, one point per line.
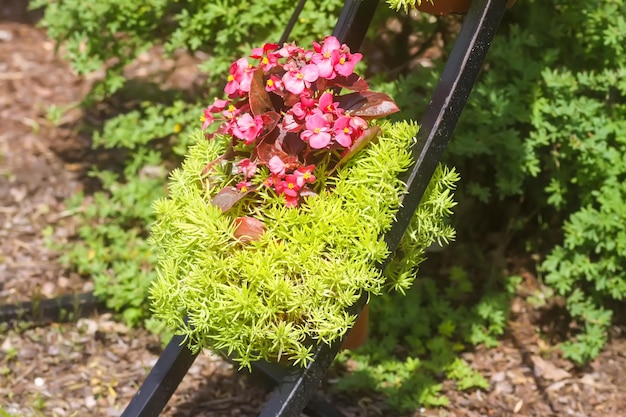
353 22
459 75
162 380
60 309
292 22
449 98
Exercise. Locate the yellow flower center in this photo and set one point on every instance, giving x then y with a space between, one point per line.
231 77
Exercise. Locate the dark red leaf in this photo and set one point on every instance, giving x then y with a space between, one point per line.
228 197
266 151
352 82
270 121
211 164
368 104
260 101
248 229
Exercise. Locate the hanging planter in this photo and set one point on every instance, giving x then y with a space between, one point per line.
272 228
438 7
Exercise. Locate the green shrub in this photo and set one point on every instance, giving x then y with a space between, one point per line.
546 121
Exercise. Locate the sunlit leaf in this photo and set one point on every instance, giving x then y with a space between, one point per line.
368 104
248 229
227 197
260 101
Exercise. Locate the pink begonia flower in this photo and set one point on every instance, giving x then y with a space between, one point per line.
347 128
244 186
317 131
273 83
324 58
345 61
289 186
239 78
218 105
327 104
291 201
276 166
269 59
247 167
296 79
248 128
304 175
207 118
306 100
289 50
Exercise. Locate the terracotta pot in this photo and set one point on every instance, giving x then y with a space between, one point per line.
358 333
442 7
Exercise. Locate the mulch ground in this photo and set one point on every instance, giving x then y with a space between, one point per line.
94 366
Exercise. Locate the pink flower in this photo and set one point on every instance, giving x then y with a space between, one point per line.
273 83
247 167
289 50
326 103
244 186
207 118
269 59
317 131
347 128
218 105
324 58
248 128
230 112
291 201
289 186
304 175
276 166
297 79
345 61
239 78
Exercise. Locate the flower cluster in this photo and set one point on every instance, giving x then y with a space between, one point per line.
284 110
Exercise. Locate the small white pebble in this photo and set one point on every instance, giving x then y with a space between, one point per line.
39 382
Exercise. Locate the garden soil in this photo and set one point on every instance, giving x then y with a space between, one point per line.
95 365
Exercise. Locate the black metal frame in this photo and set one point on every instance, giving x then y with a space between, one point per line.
295 387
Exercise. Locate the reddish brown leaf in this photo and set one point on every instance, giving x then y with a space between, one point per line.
368 104
248 229
270 121
211 164
266 151
227 197
352 82
260 101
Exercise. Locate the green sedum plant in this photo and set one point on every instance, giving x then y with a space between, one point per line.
273 296
273 226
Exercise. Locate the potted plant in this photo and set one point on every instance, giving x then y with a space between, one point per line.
273 224
437 7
